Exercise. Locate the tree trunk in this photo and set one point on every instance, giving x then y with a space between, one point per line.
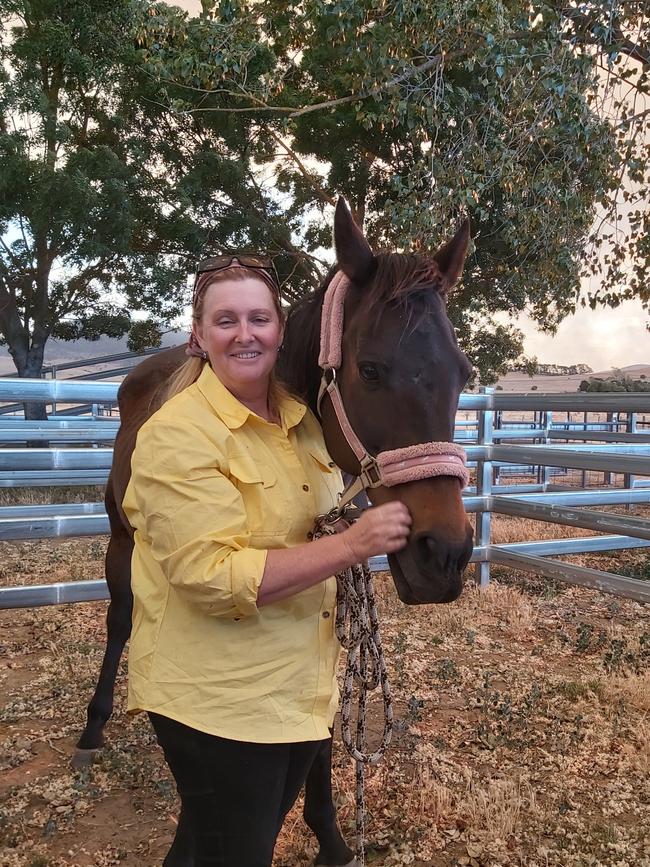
30 366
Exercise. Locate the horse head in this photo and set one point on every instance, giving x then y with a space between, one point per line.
400 379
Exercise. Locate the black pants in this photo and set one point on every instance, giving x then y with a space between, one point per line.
234 795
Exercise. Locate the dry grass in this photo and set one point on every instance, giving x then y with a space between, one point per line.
522 733
637 750
51 495
498 806
631 690
477 607
506 529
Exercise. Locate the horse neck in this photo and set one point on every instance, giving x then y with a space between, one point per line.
298 362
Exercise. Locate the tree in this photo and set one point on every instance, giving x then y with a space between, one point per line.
421 112
106 200
135 138
617 383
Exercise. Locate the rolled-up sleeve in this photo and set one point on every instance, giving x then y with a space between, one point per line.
193 520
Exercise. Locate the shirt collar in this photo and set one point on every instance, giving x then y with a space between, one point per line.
232 412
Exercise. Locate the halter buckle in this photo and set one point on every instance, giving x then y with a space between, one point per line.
370 472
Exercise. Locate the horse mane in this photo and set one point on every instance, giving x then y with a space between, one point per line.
406 279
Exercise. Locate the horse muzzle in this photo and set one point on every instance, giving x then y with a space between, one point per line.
430 570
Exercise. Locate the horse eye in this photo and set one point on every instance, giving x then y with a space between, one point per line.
368 372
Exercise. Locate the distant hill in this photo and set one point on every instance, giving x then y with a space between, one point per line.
62 351
554 383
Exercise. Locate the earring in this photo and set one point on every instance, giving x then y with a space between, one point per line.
204 355
279 348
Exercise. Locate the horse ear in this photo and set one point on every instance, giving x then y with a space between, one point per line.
353 253
451 256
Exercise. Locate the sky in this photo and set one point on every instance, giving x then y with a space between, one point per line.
603 339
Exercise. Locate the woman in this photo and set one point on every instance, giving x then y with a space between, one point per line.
233 652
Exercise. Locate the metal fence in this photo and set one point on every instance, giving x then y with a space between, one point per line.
622 457
95 409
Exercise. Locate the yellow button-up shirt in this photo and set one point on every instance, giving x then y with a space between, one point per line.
213 488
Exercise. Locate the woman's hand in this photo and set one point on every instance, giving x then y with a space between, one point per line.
380 530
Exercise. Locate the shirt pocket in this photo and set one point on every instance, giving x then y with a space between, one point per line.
323 461
267 510
328 474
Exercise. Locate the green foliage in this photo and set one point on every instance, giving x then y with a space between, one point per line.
135 138
529 366
621 383
143 335
421 113
107 197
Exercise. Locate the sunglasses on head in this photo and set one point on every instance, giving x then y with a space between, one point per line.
250 261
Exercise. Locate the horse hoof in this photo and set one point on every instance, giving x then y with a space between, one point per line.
84 758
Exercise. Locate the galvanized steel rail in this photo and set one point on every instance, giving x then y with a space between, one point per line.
624 452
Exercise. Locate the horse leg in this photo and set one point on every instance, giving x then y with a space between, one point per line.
118 623
320 815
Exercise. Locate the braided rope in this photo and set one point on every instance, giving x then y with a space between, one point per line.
357 629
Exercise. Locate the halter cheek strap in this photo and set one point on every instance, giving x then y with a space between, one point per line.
388 468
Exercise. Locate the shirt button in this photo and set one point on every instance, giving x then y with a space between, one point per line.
326 614
305 487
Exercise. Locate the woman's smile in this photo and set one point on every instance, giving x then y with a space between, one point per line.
246 356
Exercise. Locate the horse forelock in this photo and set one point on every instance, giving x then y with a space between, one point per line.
402 277
408 281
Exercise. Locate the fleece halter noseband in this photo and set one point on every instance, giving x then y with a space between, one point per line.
389 468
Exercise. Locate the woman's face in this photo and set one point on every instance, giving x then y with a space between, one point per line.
241 331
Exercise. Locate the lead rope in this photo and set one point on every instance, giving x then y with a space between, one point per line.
357 629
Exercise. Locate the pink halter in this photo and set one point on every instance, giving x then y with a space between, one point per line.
388 468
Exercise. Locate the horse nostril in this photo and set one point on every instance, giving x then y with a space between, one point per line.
449 557
427 548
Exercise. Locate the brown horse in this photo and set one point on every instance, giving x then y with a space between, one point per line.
401 377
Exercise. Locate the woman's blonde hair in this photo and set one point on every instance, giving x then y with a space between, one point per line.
190 370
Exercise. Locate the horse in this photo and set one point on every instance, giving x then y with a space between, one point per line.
401 376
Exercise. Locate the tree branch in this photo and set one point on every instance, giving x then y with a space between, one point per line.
618 39
292 111
635 117
324 196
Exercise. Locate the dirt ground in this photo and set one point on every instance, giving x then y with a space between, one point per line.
522 736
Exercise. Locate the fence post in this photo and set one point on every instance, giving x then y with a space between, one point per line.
585 427
548 424
497 424
607 477
53 372
484 487
628 480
